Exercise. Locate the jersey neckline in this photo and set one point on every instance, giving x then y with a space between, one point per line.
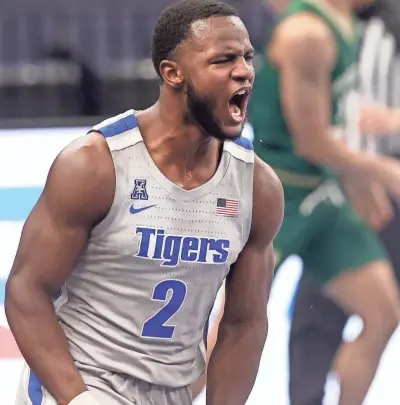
179 192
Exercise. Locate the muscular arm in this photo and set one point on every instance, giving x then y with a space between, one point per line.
200 383
304 53
243 329
78 194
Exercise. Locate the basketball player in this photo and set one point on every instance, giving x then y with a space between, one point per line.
139 224
317 322
297 113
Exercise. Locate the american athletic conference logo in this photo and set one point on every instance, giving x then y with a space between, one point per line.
8 347
140 191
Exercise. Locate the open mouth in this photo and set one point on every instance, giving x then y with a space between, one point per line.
238 104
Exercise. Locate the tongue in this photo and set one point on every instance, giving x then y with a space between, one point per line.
235 110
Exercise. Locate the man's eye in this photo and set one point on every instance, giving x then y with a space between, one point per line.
221 61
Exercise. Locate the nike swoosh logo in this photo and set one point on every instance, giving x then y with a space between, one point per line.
134 210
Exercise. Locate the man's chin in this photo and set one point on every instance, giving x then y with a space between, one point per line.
231 134
220 131
227 135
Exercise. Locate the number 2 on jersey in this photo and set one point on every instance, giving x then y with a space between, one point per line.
155 326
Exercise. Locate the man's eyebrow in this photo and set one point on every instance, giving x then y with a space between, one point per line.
234 52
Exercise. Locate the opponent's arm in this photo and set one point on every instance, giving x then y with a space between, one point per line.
77 195
243 329
303 51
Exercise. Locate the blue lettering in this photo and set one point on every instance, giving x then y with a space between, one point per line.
203 250
145 241
190 248
221 246
172 249
158 252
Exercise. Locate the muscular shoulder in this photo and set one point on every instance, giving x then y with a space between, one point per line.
303 35
89 147
82 178
87 158
268 202
303 27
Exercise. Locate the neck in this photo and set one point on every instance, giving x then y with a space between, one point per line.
166 131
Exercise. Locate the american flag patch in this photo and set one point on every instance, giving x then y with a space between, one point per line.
227 208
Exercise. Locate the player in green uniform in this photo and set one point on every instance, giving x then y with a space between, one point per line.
298 113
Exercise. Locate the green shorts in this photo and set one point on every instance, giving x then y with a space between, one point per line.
323 230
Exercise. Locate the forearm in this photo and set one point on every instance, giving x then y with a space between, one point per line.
201 382
42 341
234 362
338 157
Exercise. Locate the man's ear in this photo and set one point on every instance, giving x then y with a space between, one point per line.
172 73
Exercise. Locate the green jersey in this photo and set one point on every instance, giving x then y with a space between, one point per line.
273 141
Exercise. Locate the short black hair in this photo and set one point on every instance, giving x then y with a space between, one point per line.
175 21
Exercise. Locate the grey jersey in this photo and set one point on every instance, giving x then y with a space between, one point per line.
139 297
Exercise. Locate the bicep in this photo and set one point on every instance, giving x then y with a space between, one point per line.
305 83
249 282
78 193
304 89
49 246
248 285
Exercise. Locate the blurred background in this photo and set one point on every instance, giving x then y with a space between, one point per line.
85 58
66 65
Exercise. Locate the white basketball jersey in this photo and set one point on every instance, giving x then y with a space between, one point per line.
138 300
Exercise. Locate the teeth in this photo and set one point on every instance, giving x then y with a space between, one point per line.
242 92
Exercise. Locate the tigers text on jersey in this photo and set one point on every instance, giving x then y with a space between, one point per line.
138 300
